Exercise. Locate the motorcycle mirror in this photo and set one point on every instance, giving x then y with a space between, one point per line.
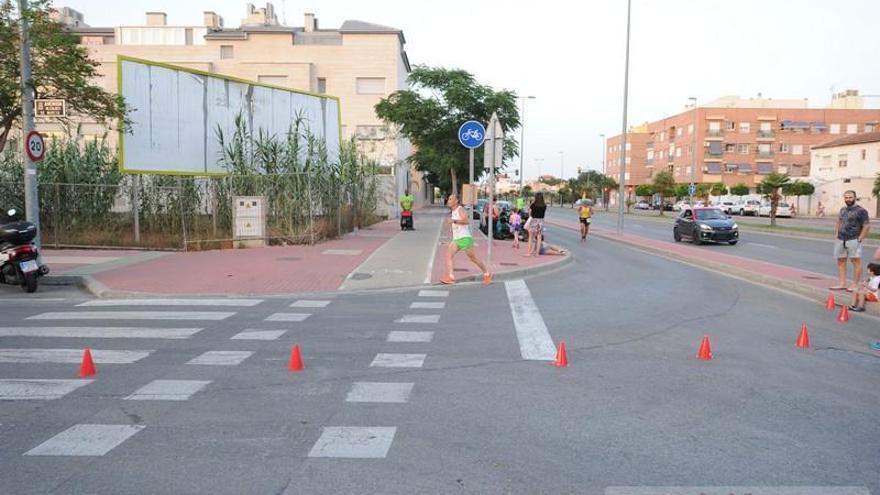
11 212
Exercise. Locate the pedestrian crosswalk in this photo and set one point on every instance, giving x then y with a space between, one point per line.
134 315
100 332
38 389
70 356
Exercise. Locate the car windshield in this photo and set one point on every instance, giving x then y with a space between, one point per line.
710 214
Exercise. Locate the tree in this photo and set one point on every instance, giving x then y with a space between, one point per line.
718 189
876 192
702 192
798 189
739 190
664 185
770 186
681 191
61 68
644 190
527 191
430 114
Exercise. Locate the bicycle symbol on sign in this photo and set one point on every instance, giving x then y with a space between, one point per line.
471 134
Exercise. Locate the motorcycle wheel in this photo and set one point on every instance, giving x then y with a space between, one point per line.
30 283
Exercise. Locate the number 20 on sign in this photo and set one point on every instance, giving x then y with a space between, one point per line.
35 146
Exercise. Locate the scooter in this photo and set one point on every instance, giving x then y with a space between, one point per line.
406 220
19 257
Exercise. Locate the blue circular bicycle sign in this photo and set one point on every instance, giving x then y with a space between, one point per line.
471 134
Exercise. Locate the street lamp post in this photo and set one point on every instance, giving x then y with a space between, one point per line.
621 184
522 132
604 172
694 150
562 165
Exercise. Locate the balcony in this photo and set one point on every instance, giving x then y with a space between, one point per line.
714 134
649 162
764 156
766 135
713 157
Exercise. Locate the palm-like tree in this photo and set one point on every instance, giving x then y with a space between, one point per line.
770 186
876 192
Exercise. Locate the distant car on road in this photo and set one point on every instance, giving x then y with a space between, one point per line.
680 206
747 207
479 207
726 206
642 205
707 224
782 210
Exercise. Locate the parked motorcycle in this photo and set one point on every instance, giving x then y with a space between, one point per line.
19 257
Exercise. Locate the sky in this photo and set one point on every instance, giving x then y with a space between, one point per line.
570 55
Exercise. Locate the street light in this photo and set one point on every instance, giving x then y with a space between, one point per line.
522 132
603 153
694 151
562 165
604 172
621 185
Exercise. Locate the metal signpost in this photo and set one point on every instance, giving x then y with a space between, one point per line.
492 155
471 135
31 199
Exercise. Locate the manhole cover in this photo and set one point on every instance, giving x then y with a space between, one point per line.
811 277
508 264
288 258
360 276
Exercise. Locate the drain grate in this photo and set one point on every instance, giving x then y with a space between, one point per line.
360 276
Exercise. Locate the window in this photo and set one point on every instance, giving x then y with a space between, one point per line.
841 160
730 126
784 148
650 154
764 148
370 85
852 128
745 127
678 152
663 136
766 126
628 160
679 131
226 52
690 128
864 154
714 126
871 127
730 148
743 149
834 129
629 146
322 85
797 149
276 80
731 167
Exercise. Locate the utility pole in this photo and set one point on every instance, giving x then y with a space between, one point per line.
693 152
522 137
622 184
31 200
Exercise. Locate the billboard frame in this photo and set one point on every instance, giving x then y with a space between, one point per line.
125 58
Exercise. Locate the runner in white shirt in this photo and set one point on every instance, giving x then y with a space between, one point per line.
461 241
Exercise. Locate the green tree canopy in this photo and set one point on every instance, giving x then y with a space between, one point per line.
770 186
718 189
430 114
739 189
644 190
664 185
61 69
681 191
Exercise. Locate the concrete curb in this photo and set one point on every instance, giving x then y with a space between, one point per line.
100 290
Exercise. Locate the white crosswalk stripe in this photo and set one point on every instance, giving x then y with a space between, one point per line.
172 302
398 336
133 315
354 442
392 360
419 319
70 356
221 358
379 392
85 440
259 335
427 305
168 390
100 332
306 303
288 317
535 342
22 389
433 293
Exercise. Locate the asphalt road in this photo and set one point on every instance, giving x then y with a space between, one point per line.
815 255
634 408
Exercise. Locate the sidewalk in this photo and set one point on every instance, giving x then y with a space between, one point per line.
806 283
380 256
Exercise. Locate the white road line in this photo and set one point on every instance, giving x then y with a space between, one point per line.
534 338
221 358
427 305
433 293
410 336
419 319
430 271
86 440
306 303
379 392
288 317
78 260
259 335
100 333
70 356
389 360
19 300
761 245
171 302
168 390
354 442
134 315
12 389
343 252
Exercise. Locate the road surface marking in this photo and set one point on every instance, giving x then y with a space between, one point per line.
433 293
19 300
171 302
343 252
168 390
70 356
379 392
419 319
305 303
86 440
761 245
388 360
100 333
354 442
534 338
12 389
259 335
288 317
221 358
134 315
410 336
78 260
427 305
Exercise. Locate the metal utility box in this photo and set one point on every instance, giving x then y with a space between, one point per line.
249 221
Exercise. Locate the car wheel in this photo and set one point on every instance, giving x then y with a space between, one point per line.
732 243
676 235
695 237
742 212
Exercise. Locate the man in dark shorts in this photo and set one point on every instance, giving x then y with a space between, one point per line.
852 229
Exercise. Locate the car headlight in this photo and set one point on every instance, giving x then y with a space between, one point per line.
735 226
705 227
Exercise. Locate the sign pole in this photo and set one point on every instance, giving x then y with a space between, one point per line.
470 208
31 200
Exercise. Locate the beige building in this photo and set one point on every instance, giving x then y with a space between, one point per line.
359 62
848 163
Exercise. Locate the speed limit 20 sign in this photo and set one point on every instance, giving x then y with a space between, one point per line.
36 148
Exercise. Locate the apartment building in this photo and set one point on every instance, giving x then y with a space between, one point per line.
738 140
844 164
360 62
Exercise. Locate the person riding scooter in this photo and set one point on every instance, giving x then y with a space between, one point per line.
406 214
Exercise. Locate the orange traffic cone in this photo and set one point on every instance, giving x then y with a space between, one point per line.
843 317
705 352
803 340
561 356
87 368
296 362
829 303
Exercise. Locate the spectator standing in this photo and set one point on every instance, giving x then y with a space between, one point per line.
852 229
537 210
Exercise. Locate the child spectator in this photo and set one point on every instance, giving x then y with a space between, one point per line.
515 226
867 292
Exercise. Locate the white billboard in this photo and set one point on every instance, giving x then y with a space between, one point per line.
176 111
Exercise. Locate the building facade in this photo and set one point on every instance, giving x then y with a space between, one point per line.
359 62
738 140
844 164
